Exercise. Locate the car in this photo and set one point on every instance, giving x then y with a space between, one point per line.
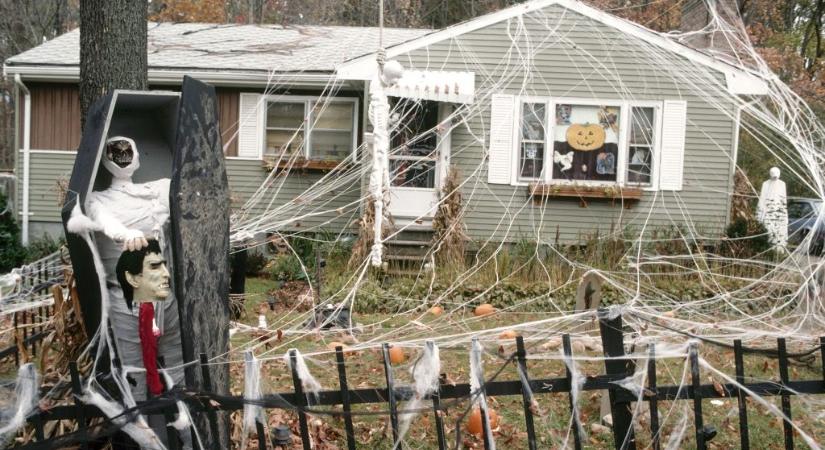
803 220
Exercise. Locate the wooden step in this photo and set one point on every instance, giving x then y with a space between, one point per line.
407 243
391 257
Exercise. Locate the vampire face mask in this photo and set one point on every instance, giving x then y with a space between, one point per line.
121 157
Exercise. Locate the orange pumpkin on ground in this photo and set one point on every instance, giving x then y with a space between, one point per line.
585 137
484 309
508 334
397 355
436 310
474 425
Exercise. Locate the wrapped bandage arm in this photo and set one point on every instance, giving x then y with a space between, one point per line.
132 239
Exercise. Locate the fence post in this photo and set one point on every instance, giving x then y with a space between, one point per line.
439 420
526 395
81 415
210 410
654 400
613 344
390 392
786 399
342 382
300 400
696 394
744 438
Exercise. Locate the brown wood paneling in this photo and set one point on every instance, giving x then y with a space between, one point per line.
228 116
55 116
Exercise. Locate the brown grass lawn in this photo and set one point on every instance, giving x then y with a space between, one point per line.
365 370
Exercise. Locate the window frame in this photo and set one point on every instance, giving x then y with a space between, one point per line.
309 103
623 144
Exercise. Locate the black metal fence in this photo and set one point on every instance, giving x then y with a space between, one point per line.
618 365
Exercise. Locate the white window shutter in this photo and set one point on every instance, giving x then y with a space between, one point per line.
674 121
250 128
500 150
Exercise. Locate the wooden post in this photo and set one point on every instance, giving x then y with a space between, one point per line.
613 344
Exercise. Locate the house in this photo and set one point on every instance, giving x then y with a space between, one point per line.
562 120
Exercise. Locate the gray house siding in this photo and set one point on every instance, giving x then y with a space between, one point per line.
583 58
245 176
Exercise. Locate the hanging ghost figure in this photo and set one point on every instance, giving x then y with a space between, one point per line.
128 214
772 209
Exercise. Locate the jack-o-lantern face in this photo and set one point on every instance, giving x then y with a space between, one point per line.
585 137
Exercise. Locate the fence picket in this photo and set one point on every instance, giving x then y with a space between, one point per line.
744 436
568 362
342 382
526 395
439 421
390 392
300 400
786 399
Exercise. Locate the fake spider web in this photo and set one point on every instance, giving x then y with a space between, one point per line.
770 294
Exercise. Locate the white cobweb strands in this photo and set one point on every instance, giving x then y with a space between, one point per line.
425 372
308 382
477 393
25 400
252 412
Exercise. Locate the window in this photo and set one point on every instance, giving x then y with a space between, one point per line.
641 145
319 130
585 142
588 142
531 147
414 141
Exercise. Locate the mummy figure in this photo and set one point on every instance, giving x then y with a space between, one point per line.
127 214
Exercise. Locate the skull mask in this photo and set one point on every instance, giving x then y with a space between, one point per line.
121 157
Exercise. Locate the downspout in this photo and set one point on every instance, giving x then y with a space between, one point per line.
27 112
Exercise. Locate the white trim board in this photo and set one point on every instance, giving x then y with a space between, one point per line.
739 81
175 76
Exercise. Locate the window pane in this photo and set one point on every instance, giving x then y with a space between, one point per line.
407 173
330 144
334 115
641 129
285 115
532 122
417 122
639 165
277 141
585 142
532 160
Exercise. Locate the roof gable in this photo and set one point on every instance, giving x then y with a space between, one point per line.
738 80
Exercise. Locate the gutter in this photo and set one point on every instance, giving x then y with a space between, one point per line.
27 112
175 76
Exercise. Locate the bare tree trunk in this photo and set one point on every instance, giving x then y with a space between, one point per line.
112 48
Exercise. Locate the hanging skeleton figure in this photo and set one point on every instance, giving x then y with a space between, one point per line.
379 114
127 214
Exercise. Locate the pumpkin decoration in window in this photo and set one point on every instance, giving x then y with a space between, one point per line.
585 137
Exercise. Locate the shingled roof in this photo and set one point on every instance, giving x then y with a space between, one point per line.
231 47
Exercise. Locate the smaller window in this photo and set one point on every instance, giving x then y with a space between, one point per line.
331 134
641 145
284 128
531 155
320 130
